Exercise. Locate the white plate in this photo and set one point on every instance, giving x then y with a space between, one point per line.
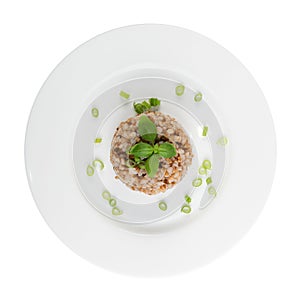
149 61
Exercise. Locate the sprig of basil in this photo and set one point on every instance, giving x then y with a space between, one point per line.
152 153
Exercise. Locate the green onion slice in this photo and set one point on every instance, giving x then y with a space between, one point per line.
212 191
223 141
208 180
106 195
202 171
186 209
198 97
154 102
188 199
113 202
124 95
206 164
130 163
98 140
99 163
90 170
197 182
179 90
163 205
116 211
204 132
95 112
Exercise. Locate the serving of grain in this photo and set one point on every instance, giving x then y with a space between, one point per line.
170 171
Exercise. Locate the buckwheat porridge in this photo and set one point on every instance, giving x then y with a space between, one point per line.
150 152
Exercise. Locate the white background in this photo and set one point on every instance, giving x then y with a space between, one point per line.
36 35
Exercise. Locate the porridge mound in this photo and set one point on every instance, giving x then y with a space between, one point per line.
170 171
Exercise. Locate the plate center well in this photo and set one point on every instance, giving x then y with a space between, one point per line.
99 123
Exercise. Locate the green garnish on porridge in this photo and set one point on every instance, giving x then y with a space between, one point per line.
150 152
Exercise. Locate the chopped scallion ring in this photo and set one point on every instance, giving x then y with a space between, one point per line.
223 141
95 112
197 182
130 163
204 132
90 170
98 140
212 191
186 209
198 97
179 90
202 171
154 102
112 202
99 163
208 180
106 195
124 95
116 211
188 199
163 205
206 164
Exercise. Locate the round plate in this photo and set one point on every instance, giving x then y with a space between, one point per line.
149 61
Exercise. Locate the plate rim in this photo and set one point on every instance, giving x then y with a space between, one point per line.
133 267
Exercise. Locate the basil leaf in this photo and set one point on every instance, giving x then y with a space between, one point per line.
147 129
166 150
141 150
152 164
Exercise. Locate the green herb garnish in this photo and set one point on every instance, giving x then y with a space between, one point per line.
166 150
145 106
116 211
179 90
124 95
130 163
138 107
106 195
202 171
223 141
208 180
198 97
152 164
141 150
188 199
206 164
163 205
146 154
112 202
154 102
95 112
90 170
147 129
98 140
197 182
98 162
212 191
204 132
186 209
